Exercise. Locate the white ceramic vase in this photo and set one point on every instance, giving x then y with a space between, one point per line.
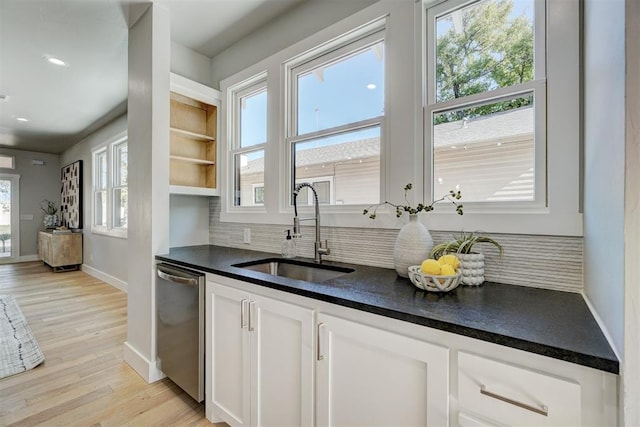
472 267
413 245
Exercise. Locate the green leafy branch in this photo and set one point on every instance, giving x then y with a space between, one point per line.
452 196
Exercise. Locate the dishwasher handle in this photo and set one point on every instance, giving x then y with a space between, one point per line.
189 281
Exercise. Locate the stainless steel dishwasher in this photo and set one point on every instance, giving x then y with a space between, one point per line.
180 327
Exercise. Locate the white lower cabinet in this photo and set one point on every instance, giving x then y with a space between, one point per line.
269 363
370 377
260 360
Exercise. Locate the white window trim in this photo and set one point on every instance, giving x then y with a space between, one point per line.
537 87
404 128
334 51
108 148
250 86
553 213
277 208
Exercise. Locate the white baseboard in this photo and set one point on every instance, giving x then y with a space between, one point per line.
146 369
23 258
107 278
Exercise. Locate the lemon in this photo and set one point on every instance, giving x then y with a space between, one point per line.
449 259
430 266
447 270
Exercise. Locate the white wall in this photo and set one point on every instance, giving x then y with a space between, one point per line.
631 356
190 64
604 161
189 220
103 253
293 26
36 184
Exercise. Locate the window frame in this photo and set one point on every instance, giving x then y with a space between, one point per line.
562 213
403 156
252 86
537 87
340 48
109 150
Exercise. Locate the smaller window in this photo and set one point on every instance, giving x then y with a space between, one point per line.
324 190
248 141
7 162
110 189
258 194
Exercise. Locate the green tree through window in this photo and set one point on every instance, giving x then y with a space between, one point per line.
479 48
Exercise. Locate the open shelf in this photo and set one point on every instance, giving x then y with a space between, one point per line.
193 135
193 146
192 160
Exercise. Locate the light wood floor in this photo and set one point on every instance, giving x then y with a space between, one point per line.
80 324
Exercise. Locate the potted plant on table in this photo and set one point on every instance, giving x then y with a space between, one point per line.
414 241
50 209
471 263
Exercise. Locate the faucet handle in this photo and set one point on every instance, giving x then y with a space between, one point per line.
323 249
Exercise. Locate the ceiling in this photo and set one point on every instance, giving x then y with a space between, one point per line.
63 104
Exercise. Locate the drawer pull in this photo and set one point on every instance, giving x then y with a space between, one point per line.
543 410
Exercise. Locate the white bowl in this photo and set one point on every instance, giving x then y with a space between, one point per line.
433 283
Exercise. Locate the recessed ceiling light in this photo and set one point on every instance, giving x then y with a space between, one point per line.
22 119
55 61
371 86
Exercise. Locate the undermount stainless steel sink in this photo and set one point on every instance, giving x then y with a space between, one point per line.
298 270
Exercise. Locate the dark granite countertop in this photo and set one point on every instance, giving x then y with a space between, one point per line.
552 323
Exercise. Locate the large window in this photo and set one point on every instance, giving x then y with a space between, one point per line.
110 188
335 119
249 138
485 103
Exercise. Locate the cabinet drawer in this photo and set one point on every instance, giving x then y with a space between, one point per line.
514 395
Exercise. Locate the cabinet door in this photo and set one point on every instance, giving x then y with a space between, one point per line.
367 376
229 357
282 363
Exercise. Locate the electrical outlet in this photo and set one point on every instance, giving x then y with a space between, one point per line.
247 235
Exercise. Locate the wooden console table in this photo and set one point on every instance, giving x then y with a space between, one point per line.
61 251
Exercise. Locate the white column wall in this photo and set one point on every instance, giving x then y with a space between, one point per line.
604 144
631 356
148 110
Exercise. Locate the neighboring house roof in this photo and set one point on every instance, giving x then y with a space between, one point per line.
510 177
351 150
509 124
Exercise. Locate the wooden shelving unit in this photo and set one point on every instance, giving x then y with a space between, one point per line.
193 138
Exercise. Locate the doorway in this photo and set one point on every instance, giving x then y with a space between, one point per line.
9 217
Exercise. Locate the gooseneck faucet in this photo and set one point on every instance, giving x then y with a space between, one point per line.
320 249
